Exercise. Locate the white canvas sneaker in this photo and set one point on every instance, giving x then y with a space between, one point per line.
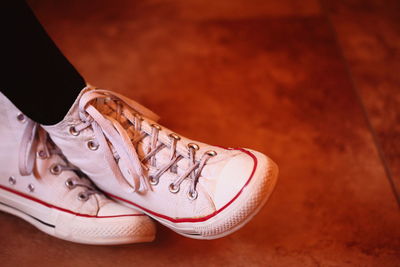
197 190
38 185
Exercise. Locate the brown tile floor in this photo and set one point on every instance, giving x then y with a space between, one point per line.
267 75
369 33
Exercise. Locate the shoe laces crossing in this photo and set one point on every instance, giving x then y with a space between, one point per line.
119 135
27 157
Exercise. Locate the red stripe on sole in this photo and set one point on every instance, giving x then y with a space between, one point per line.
62 209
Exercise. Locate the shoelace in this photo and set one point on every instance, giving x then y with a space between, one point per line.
109 130
27 158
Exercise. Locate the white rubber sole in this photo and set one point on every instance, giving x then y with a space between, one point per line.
112 230
225 220
252 198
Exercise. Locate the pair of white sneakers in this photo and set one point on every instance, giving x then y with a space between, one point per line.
137 169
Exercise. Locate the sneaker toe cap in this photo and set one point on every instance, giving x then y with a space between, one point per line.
238 172
127 223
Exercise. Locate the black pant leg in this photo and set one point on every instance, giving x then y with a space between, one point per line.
35 75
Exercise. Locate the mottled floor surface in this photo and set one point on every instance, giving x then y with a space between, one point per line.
314 84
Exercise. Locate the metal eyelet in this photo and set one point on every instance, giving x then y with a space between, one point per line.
12 180
55 169
92 145
211 153
156 126
82 196
153 180
194 146
70 183
192 195
21 117
42 154
73 131
173 189
174 136
31 187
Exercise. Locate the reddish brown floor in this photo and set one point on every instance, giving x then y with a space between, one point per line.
292 78
369 33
